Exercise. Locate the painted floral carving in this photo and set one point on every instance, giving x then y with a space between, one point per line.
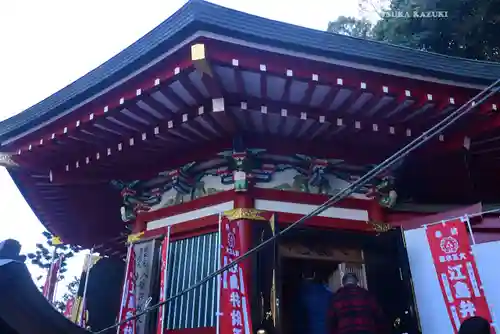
239 170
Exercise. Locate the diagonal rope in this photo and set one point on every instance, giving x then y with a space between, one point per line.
413 145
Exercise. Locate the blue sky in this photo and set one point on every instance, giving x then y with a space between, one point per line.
48 44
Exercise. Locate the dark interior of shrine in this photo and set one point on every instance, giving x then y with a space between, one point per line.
384 270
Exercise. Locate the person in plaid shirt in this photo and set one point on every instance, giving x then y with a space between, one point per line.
355 311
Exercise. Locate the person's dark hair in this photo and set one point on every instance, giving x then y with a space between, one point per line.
475 325
350 279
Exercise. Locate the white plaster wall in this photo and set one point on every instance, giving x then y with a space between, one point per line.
304 209
430 302
191 215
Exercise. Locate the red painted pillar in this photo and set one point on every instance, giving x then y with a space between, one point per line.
376 212
139 225
245 200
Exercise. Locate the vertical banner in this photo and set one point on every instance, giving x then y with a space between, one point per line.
457 271
51 280
275 287
144 263
78 313
163 282
69 307
128 306
234 310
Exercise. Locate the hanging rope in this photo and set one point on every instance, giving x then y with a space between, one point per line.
416 143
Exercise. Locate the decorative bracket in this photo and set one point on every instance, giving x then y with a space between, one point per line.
134 237
248 214
199 59
380 227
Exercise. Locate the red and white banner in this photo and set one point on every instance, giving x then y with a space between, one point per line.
51 280
457 271
163 282
69 308
234 309
128 306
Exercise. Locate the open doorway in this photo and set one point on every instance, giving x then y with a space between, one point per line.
295 272
378 261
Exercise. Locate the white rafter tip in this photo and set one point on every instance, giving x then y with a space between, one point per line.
340 81
184 118
87 160
441 138
91 116
77 123
41 141
170 124
494 106
77 164
385 89
138 92
97 156
218 104
30 147
473 103
19 152
284 112
235 62
452 100
53 136
392 130
65 130
429 97
122 100
262 68
408 132
322 119
357 125
363 85
407 93
131 142
108 151
340 122
243 105
303 115
106 109
201 110
289 73
263 109
315 77
375 127
144 136
67 168
120 146
157 130
157 81
177 70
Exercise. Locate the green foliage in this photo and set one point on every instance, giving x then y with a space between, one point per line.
72 289
44 255
470 29
351 26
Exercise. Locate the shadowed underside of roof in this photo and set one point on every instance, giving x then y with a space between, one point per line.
198 15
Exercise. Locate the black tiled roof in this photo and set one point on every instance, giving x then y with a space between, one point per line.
199 15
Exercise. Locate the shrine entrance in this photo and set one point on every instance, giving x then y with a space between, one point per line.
379 260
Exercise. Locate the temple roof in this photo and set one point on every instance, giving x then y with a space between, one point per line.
200 16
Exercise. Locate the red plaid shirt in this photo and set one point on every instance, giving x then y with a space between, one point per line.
355 311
